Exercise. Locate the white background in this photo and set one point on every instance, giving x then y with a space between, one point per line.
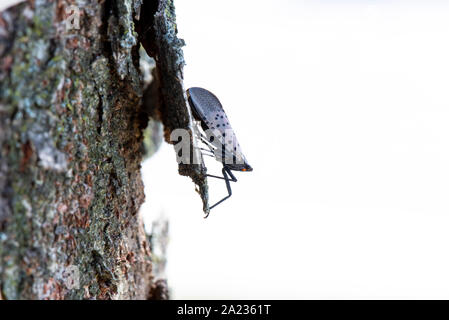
342 109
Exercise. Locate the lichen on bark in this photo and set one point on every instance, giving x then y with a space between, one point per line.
71 124
158 35
73 109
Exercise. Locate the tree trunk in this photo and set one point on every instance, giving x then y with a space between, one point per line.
72 115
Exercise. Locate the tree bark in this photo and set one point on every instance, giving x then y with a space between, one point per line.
72 116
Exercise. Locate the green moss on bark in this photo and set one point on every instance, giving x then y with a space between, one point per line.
70 111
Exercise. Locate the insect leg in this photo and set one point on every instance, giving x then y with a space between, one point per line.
233 178
207 155
207 143
212 176
203 137
225 172
205 150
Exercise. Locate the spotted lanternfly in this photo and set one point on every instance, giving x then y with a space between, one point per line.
221 140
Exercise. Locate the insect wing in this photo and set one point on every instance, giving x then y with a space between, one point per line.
227 148
208 110
204 104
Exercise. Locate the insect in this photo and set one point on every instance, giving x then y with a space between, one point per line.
220 138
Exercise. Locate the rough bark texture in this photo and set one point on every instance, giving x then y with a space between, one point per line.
71 132
158 37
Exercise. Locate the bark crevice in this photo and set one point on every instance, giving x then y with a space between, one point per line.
158 34
71 132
